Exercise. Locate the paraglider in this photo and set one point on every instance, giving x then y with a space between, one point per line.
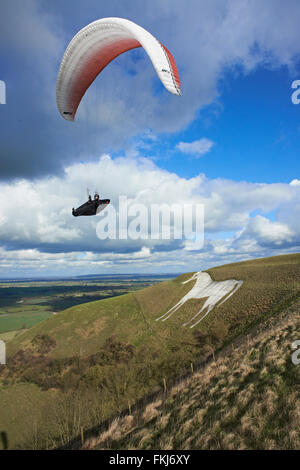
92 206
88 53
94 47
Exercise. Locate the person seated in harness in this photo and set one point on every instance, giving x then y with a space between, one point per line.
91 207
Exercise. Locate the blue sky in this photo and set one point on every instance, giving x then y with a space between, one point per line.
230 142
254 126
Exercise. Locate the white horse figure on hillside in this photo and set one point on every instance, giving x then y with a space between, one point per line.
205 287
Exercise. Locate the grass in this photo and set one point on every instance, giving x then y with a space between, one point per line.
244 400
30 401
87 364
7 336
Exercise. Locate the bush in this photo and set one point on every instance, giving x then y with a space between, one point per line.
43 343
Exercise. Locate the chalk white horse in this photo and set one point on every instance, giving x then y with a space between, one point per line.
204 287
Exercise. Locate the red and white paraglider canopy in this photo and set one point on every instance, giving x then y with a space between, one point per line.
95 46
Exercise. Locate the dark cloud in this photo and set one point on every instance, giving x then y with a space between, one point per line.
204 37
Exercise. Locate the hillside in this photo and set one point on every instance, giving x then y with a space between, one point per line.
246 399
102 357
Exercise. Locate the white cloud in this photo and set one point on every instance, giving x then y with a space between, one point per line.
38 229
267 232
197 148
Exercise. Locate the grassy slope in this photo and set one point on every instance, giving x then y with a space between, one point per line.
246 399
21 407
267 282
84 328
269 285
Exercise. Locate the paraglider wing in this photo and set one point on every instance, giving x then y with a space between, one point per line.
94 47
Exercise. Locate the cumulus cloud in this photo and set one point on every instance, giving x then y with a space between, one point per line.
268 233
37 228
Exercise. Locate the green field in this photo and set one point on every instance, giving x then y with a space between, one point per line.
103 356
12 319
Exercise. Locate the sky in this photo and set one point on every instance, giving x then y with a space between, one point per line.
230 142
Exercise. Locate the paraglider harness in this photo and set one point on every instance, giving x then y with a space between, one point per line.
91 207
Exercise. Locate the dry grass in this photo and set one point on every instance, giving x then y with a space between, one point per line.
248 399
151 411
